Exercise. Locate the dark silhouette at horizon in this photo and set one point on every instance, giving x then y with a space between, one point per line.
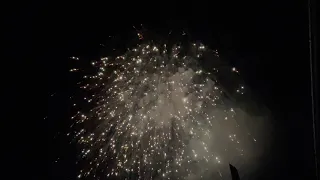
234 173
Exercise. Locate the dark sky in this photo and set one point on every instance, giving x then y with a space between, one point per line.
267 41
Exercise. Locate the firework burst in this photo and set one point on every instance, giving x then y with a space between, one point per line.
157 114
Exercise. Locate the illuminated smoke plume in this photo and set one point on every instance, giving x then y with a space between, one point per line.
158 115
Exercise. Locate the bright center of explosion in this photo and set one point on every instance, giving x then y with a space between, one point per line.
157 114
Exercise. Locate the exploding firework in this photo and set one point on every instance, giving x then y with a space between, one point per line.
158 115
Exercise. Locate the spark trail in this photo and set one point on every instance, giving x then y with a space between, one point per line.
157 115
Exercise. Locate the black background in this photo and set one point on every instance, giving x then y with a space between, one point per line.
267 41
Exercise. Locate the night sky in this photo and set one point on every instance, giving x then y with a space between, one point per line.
266 41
